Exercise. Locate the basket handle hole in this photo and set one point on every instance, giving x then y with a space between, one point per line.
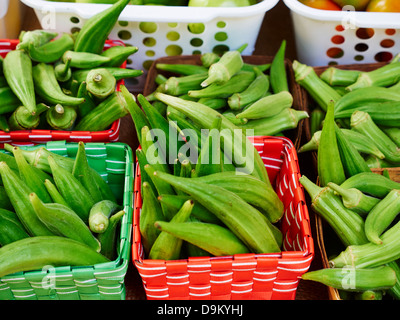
390 32
361 47
335 53
383 56
365 33
387 43
337 39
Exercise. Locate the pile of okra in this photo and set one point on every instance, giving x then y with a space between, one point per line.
355 127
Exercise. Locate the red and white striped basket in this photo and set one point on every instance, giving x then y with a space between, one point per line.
36 136
269 276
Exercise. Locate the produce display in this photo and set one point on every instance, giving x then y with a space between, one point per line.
55 210
358 5
65 81
190 3
354 113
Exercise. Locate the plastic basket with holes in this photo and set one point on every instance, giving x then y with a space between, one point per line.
163 30
326 37
264 276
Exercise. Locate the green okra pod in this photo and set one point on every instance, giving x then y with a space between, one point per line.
63 71
351 159
268 106
89 104
112 108
354 279
319 90
9 101
330 166
18 193
371 183
354 199
100 83
237 83
221 71
339 77
150 213
18 70
55 195
381 77
363 123
371 255
348 225
99 215
382 215
48 88
34 253
182 69
118 55
23 119
108 239
231 116
119 73
177 86
214 103
10 230
213 238
4 126
51 51
393 133
317 117
36 37
370 295
77 197
5 202
252 93
63 221
287 119
167 246
278 77
61 117
84 60
94 33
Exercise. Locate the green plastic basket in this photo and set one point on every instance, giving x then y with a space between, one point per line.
105 281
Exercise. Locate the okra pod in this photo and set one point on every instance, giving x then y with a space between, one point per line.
119 73
237 83
381 77
363 123
52 51
89 104
63 221
354 199
182 69
371 183
268 106
167 246
221 71
34 253
382 215
252 93
214 103
213 238
255 231
4 126
36 37
94 33
351 159
84 60
339 77
316 119
118 55
48 88
18 70
150 213
55 195
77 197
177 86
354 279
277 71
18 193
108 239
348 225
9 101
393 133
61 117
319 90
5 200
100 83
100 214
10 230
63 71
23 119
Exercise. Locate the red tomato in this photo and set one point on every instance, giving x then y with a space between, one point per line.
321 4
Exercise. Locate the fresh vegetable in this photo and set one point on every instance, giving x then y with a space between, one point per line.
383 6
321 4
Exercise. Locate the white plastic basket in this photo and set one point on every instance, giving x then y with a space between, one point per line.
10 18
228 26
326 37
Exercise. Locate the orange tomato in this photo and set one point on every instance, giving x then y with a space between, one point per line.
321 4
357 4
384 6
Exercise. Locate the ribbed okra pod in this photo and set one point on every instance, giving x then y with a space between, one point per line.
61 117
63 221
177 86
100 83
167 246
63 71
363 123
5 202
278 77
55 195
10 229
339 77
330 166
252 93
354 199
51 51
354 279
348 225
182 68
382 215
9 101
319 90
371 255
213 238
256 232
316 120
34 253
23 119
36 37
118 55
108 239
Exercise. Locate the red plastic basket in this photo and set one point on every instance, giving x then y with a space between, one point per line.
40 136
269 276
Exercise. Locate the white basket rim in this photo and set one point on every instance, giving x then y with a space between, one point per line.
3 8
154 13
360 19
